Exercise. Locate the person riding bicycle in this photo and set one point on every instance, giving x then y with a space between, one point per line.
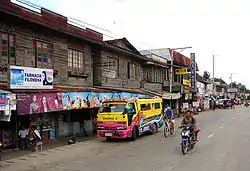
169 115
190 120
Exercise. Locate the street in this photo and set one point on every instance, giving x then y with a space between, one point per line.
223 145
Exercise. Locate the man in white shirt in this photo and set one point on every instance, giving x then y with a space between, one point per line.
23 133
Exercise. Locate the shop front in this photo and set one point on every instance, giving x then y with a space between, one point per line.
172 100
63 113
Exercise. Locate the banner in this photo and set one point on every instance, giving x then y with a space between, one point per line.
30 78
192 72
76 100
30 103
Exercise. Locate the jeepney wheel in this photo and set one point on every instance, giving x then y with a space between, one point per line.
134 134
153 128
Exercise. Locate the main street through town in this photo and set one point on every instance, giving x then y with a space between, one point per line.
223 145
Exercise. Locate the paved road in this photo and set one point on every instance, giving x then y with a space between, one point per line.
223 145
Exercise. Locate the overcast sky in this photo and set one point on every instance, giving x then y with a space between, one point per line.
219 27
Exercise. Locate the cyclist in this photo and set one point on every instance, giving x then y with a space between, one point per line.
169 115
190 120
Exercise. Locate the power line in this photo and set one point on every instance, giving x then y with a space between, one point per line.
84 25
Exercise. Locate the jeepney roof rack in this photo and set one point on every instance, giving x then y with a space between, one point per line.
149 97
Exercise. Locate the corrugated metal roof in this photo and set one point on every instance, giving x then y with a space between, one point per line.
164 53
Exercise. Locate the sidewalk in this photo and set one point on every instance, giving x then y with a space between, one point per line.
11 154
33 161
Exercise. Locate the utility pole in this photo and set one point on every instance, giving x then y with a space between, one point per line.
171 69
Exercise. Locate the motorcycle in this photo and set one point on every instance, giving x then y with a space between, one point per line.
187 139
247 104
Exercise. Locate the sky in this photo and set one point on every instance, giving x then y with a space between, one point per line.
211 27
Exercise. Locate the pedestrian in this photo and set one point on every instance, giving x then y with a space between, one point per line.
34 137
23 133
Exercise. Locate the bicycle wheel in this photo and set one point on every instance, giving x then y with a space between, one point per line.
166 131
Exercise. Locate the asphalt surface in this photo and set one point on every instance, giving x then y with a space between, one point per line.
223 145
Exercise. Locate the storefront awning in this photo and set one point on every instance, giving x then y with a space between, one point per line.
172 96
152 92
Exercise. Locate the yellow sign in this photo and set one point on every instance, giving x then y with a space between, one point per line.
181 71
186 82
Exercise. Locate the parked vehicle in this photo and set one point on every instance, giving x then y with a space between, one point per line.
187 139
221 104
129 118
225 103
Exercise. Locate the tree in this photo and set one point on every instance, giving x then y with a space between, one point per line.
206 75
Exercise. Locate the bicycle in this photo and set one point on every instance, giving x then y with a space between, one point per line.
168 129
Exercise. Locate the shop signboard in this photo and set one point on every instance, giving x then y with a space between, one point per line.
193 72
181 71
171 95
30 103
30 78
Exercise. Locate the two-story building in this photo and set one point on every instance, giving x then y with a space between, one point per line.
61 73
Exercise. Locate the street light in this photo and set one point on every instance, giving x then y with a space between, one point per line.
172 63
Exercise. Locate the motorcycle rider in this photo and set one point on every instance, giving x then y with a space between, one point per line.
190 120
169 115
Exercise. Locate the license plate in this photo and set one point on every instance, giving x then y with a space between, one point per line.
108 134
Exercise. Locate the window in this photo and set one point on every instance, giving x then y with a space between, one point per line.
157 105
75 59
42 54
7 48
113 65
133 71
166 76
145 107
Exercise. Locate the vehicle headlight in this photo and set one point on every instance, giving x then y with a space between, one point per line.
184 133
121 127
173 121
100 127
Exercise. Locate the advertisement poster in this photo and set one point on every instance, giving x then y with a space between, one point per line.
2 99
30 78
30 103
9 105
76 100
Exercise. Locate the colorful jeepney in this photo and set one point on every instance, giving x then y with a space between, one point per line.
129 119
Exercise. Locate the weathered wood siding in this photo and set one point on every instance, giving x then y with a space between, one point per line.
26 32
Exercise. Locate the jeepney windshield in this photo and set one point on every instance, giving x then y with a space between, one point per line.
109 107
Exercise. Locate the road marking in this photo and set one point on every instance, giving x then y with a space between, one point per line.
210 135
